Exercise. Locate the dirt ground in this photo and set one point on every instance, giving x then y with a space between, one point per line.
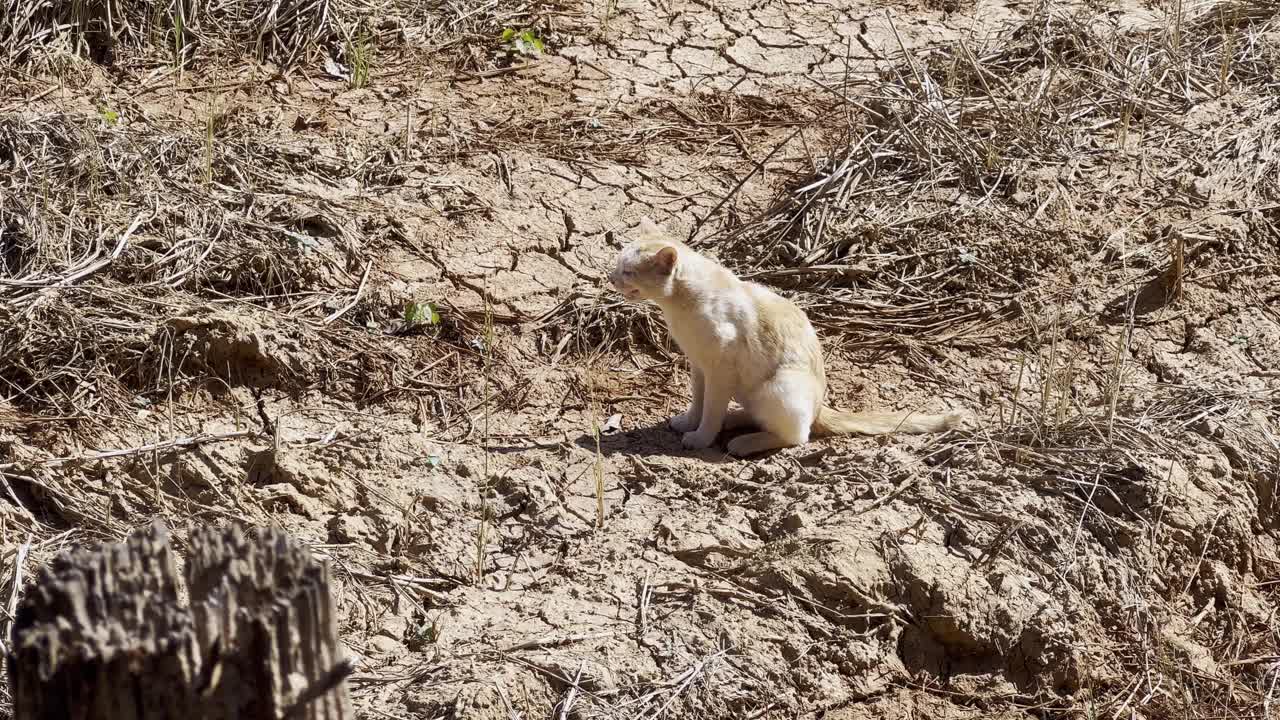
359 292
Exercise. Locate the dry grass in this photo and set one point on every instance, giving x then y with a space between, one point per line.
284 32
949 141
111 237
923 224
134 289
931 225
279 30
933 191
1108 478
929 222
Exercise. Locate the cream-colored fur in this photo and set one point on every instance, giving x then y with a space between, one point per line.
744 342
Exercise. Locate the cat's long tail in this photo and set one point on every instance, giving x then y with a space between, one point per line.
837 422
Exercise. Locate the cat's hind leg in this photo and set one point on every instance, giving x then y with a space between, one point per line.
784 407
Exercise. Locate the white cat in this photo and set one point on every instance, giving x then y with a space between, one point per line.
748 343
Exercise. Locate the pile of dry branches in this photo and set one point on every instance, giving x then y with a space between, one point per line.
923 223
962 125
951 144
285 32
118 246
467 34
279 30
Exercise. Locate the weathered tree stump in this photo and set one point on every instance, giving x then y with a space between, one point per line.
101 633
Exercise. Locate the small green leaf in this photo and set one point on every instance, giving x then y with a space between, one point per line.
111 116
421 314
522 42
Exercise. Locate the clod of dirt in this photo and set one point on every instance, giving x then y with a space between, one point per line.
797 521
298 481
288 497
351 529
385 646
920 608
527 490
300 471
240 349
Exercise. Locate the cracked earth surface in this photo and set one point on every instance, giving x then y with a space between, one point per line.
850 579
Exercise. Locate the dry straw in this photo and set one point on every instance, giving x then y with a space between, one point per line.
278 30
120 244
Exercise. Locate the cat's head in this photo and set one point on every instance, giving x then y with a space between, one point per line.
646 266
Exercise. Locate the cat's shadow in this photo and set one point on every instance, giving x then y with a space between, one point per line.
657 439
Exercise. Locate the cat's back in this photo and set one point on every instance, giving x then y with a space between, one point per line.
784 333
776 311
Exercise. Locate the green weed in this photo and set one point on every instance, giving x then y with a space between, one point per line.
524 43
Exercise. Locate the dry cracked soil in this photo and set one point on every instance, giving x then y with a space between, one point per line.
362 297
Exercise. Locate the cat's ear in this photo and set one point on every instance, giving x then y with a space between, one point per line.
649 227
665 260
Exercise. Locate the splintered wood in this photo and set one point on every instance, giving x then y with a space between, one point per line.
101 633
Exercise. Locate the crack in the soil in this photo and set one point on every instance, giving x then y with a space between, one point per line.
457 279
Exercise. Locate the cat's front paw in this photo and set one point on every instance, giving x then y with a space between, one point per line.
697 441
683 423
